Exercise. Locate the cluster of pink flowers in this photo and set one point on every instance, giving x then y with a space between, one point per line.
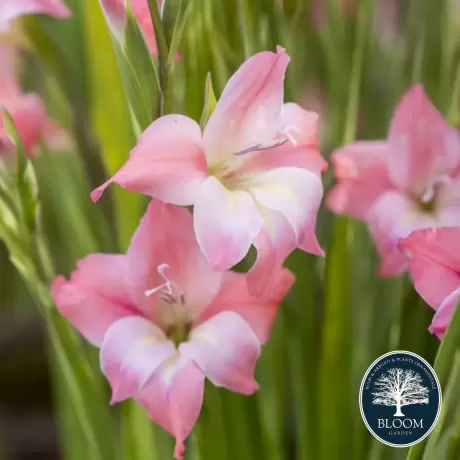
171 311
27 109
407 190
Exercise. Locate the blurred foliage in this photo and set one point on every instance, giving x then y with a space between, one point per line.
350 61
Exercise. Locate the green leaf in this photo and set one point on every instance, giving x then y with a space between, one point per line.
209 102
450 408
25 177
443 367
174 18
336 346
139 72
110 114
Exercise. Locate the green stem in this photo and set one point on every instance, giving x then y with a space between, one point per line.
57 61
83 389
377 450
138 441
442 366
336 432
300 333
163 53
417 65
364 16
212 432
416 316
453 114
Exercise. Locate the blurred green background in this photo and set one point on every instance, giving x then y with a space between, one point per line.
351 62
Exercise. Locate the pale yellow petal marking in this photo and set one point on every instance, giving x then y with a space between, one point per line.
149 340
206 336
231 200
283 191
168 367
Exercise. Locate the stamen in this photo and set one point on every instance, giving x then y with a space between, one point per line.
168 298
428 195
286 132
288 137
167 285
430 192
261 147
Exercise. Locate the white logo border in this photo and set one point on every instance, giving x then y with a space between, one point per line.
360 397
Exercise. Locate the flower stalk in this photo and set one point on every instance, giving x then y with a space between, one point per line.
165 68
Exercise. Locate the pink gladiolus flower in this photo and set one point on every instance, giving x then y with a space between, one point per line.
11 9
433 257
115 11
253 176
409 181
28 112
165 320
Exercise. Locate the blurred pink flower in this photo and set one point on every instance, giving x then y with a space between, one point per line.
165 320
433 257
253 176
407 182
11 9
28 112
115 11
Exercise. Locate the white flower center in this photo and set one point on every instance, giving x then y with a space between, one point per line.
173 313
230 169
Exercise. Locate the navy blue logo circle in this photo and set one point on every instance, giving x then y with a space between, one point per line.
400 399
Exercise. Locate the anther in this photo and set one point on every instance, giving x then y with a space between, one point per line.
168 298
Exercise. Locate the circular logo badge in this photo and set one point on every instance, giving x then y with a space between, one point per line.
400 399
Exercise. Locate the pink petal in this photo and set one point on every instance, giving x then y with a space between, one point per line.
166 236
361 175
226 222
226 350
249 108
132 350
301 124
95 296
391 217
442 317
173 398
296 193
422 144
10 9
115 12
258 311
441 245
273 245
168 162
433 259
142 13
302 128
29 115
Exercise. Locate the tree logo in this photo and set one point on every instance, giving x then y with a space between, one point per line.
400 399
400 387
